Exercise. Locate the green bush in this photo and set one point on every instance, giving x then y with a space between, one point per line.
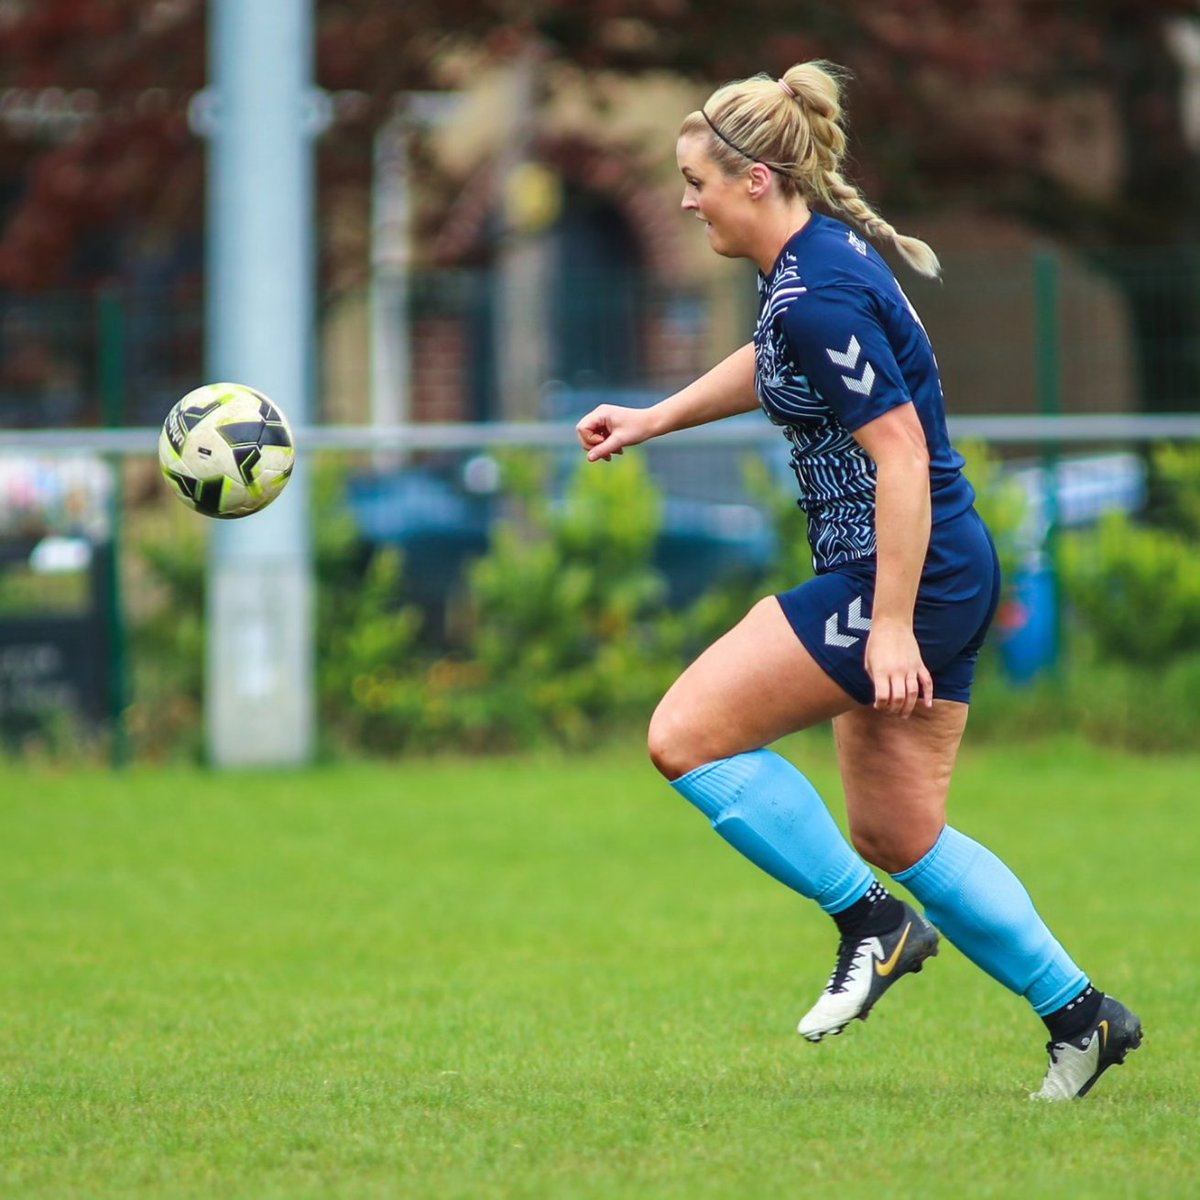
1136 585
165 562
562 643
1112 704
1137 588
1000 502
1175 474
717 610
564 635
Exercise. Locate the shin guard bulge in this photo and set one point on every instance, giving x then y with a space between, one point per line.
767 811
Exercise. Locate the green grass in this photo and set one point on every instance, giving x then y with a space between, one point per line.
543 977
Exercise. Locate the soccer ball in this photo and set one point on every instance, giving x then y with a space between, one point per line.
226 450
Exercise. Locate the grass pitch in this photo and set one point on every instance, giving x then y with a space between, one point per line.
543 977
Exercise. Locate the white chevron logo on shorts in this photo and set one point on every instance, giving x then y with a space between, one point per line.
854 617
854 620
848 358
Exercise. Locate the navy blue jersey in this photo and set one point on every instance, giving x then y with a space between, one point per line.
838 344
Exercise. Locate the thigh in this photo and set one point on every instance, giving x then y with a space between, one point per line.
748 689
896 774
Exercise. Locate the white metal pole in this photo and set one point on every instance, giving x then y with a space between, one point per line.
259 703
390 265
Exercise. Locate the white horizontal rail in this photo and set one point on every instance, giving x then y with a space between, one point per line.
1007 430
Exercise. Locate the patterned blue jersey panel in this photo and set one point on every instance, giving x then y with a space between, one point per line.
837 345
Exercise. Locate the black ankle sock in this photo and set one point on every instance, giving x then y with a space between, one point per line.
1075 1017
877 912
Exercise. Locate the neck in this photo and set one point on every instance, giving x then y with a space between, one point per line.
789 221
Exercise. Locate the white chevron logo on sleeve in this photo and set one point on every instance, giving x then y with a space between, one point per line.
847 358
854 620
864 385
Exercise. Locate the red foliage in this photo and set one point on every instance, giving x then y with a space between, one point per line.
134 162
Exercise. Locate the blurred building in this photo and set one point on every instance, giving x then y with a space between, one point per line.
559 234
543 240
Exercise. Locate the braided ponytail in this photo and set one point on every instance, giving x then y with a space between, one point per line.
818 90
794 125
845 197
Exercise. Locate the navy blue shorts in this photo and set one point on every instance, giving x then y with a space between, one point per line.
956 601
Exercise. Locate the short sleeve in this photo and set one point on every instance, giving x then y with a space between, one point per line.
837 341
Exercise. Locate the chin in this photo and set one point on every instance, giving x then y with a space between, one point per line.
718 245
715 243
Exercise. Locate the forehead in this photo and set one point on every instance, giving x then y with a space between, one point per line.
691 153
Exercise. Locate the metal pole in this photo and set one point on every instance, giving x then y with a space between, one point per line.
1048 317
390 265
111 370
259 702
523 263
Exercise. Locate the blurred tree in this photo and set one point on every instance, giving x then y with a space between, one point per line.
996 105
953 101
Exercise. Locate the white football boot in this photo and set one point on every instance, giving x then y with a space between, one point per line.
1076 1065
865 969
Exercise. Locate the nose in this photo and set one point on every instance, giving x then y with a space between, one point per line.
688 203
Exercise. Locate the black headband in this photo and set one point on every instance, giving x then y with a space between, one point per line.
731 145
736 148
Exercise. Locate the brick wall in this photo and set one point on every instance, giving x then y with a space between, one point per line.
440 369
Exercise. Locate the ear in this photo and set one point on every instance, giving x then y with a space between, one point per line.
759 177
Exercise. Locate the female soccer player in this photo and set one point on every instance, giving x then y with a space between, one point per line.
884 638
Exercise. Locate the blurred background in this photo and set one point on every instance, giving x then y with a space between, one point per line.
496 246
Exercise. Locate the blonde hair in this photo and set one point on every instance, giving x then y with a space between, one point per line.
794 126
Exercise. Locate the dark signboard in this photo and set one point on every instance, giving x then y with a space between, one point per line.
50 665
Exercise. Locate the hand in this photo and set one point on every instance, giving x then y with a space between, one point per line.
893 661
608 429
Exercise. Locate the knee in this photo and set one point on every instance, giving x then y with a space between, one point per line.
892 850
675 748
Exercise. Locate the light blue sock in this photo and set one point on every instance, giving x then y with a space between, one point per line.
982 907
766 810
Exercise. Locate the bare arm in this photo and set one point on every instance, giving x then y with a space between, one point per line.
725 390
896 442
